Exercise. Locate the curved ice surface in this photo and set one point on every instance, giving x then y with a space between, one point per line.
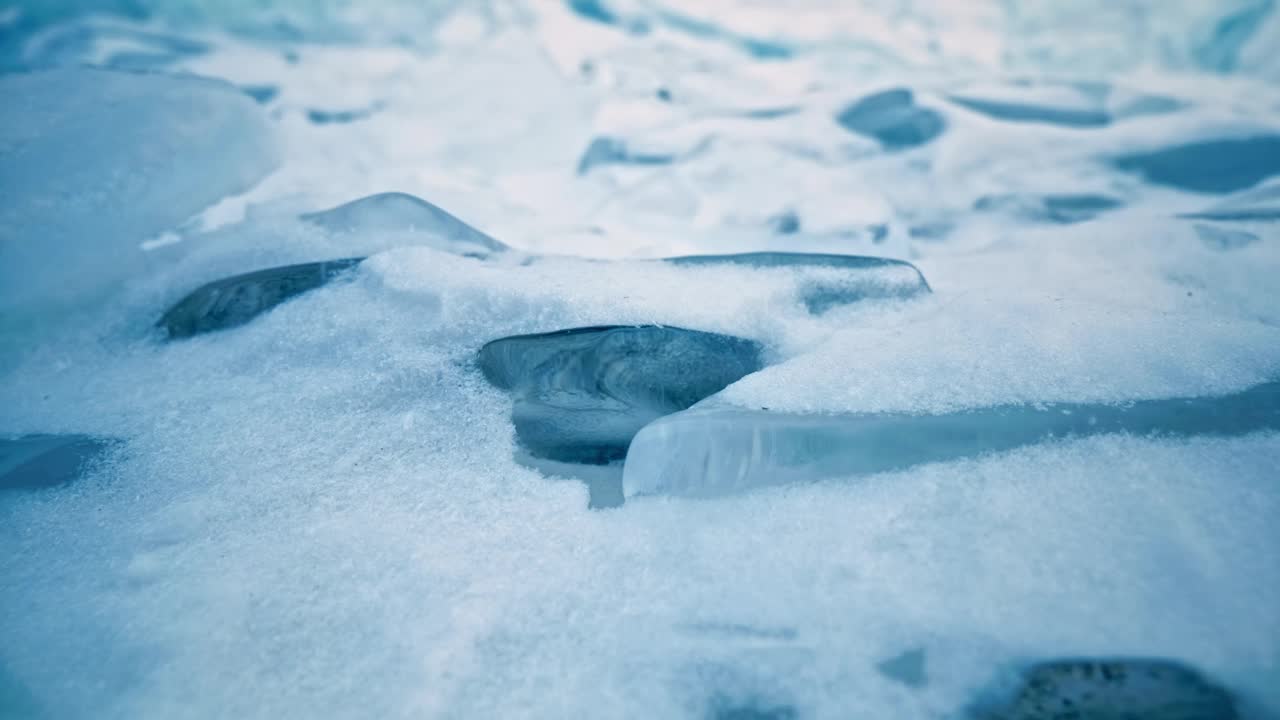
581 394
1211 166
893 118
719 450
867 277
1109 689
397 212
236 300
37 461
1076 117
94 162
1260 204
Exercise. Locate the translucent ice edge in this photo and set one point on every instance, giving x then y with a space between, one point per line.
711 451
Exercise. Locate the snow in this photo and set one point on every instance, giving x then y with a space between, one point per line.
326 510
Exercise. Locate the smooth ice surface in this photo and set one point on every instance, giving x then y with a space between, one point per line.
394 212
326 511
1210 166
893 118
713 451
163 148
581 394
829 280
39 461
236 300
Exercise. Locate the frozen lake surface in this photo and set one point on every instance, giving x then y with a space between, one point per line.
949 334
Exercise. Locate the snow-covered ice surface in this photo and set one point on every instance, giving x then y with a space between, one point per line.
321 513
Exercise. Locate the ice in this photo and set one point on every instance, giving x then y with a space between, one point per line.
1077 117
581 394
893 118
40 461
1210 166
831 280
1064 209
328 511
163 148
713 451
236 300
328 117
609 151
396 212
1260 204
1113 688
1221 50
909 668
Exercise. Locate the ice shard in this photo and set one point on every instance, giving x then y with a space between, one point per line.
39 461
1081 116
893 118
581 394
234 301
1110 689
397 212
714 451
832 280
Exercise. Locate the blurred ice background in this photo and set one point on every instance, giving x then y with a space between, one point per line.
320 513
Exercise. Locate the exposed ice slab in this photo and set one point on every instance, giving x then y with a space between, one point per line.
858 277
94 162
1111 689
236 300
893 118
1210 166
614 151
1062 209
717 450
1076 117
581 394
397 212
37 461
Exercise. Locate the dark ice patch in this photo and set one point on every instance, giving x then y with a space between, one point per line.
614 151
907 668
1208 166
234 301
582 394
262 94
39 461
725 710
593 10
338 117
1110 689
1061 209
785 223
1026 112
892 118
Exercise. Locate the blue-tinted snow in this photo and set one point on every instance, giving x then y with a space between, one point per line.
323 512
